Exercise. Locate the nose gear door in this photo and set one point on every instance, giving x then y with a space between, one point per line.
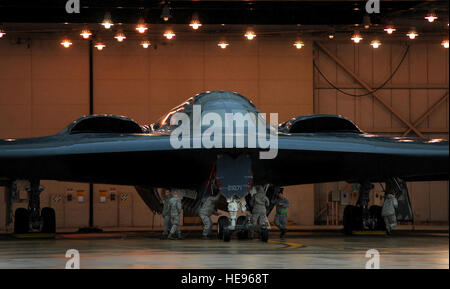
234 175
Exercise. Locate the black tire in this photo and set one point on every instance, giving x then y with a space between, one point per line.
241 220
21 221
357 219
226 235
242 234
49 218
352 219
375 212
348 220
264 235
222 223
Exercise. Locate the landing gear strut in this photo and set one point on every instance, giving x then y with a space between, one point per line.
363 202
33 219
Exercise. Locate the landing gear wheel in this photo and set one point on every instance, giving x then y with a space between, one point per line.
222 223
226 235
264 235
48 216
353 219
250 234
21 221
242 234
348 220
375 213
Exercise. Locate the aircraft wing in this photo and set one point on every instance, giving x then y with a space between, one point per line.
149 159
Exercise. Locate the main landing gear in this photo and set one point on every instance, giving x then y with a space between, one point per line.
34 219
361 217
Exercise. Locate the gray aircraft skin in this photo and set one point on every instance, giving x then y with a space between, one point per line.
311 149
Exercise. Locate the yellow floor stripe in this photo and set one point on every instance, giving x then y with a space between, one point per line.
287 244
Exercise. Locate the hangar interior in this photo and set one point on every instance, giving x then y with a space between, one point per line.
44 87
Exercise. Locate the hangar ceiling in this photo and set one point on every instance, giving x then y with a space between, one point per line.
221 12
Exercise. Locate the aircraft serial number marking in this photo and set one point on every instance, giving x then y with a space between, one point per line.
234 188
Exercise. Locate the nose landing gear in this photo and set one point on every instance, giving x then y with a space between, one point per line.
242 225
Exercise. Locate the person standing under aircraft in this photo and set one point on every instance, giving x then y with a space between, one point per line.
259 203
175 211
166 215
207 209
388 212
281 213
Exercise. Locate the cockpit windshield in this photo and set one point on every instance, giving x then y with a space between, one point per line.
219 104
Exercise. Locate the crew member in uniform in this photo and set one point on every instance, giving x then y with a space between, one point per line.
166 215
388 212
281 213
207 209
175 211
259 203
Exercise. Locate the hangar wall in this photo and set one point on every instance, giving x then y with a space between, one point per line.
421 80
43 87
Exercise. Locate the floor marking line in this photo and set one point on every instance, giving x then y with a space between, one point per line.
287 244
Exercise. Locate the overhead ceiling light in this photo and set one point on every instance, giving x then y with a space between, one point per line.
223 44
366 21
431 16
390 29
99 46
2 33
145 44
331 32
356 37
250 35
299 44
120 36
165 15
141 26
375 43
107 22
445 43
195 24
66 43
412 34
85 33
169 34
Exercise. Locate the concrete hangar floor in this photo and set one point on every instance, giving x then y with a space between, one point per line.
299 250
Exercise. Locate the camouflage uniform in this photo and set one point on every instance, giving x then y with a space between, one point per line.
388 212
208 208
259 203
281 214
175 211
166 215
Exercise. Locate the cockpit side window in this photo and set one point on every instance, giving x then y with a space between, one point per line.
323 124
105 125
